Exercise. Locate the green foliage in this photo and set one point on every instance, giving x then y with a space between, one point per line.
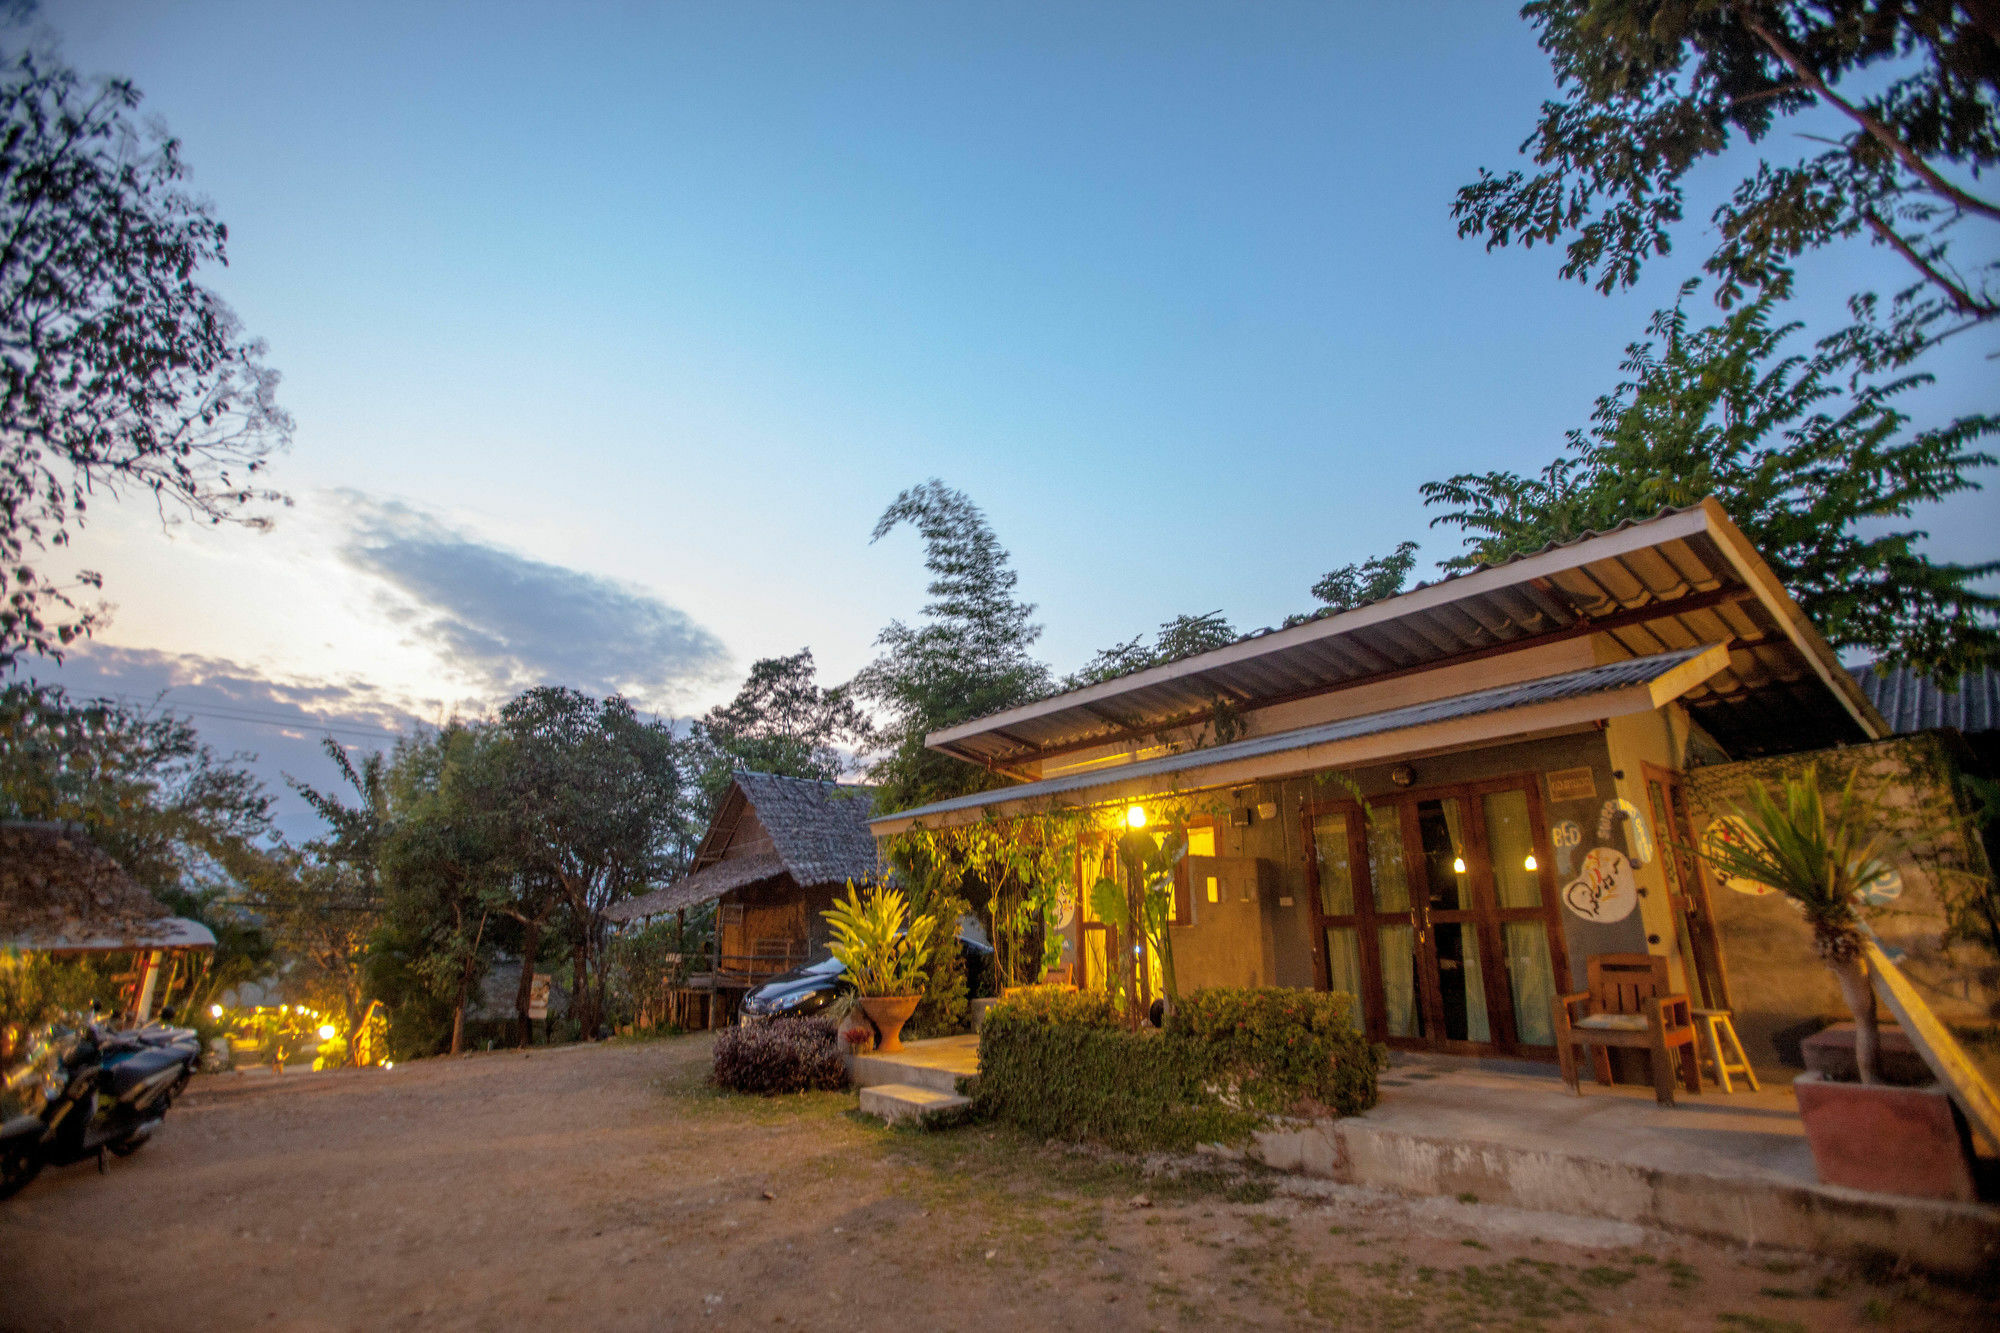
121 371
1287 1051
1183 636
789 1055
883 957
192 828
1819 861
969 658
596 799
1060 1064
1350 586
780 722
1808 455
39 988
1885 107
1061 1006
1129 1090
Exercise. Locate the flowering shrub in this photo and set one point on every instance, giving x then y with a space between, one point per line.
788 1055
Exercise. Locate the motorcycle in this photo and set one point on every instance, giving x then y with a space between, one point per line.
100 1092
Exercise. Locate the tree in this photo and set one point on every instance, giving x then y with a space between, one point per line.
780 722
444 862
595 803
1183 636
1350 586
117 369
1806 452
969 658
324 901
1896 102
191 827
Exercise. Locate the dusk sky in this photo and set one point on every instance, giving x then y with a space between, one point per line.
610 330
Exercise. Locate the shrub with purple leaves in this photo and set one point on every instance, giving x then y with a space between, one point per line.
786 1055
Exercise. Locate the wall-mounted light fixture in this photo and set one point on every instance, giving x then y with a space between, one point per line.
1403 775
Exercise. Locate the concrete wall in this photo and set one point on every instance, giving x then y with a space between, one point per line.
1780 991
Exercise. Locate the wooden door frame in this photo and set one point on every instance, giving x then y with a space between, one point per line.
1485 915
1698 888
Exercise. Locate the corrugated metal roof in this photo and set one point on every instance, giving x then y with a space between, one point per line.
1912 701
1666 583
1551 689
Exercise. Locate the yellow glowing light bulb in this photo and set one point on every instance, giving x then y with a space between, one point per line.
215 1011
1529 864
1458 865
1135 816
284 1008
326 1031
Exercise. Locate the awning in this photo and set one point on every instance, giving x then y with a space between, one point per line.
1480 717
704 885
166 932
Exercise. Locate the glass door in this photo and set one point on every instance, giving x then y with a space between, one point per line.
1436 910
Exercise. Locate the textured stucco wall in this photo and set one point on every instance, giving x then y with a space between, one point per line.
1780 991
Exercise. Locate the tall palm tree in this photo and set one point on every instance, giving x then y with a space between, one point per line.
1820 862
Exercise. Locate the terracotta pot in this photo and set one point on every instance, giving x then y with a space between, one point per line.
888 1013
1893 1140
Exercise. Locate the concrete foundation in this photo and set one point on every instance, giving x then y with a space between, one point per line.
1733 1168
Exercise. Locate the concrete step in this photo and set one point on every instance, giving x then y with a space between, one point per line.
868 1071
898 1102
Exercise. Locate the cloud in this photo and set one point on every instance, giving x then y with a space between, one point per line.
509 622
275 725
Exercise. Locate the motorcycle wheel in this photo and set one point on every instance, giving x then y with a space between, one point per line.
19 1164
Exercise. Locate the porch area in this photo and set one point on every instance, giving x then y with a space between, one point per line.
1734 1167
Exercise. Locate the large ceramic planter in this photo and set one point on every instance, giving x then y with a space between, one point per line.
1889 1139
888 1013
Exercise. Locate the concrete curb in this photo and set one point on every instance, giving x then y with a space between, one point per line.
1959 1239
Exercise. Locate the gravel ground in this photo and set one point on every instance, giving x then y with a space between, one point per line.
608 1187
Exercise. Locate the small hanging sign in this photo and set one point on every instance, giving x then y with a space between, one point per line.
1572 784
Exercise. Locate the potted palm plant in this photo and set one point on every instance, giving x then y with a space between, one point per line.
886 955
1866 1134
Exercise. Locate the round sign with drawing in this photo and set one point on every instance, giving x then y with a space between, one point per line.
1062 910
1604 891
1724 832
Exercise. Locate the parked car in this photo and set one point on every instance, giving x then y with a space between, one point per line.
808 990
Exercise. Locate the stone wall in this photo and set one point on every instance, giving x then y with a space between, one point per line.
1779 990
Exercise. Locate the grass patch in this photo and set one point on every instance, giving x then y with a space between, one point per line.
1759 1323
1603 1275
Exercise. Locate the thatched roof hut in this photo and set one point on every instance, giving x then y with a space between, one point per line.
59 892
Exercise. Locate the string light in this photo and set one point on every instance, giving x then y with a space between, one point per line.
215 1011
327 1031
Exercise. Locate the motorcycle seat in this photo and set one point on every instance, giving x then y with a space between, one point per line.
128 1071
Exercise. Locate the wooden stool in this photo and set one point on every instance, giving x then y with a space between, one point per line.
1718 1023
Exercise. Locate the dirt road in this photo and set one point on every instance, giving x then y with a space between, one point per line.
607 1187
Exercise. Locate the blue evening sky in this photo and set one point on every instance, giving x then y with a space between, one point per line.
604 315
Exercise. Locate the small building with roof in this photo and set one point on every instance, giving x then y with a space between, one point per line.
1447 801
776 854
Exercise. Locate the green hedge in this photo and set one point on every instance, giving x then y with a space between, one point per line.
1290 1052
1058 1064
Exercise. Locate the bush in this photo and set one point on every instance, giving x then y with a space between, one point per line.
788 1055
1060 1004
1287 1051
1058 1063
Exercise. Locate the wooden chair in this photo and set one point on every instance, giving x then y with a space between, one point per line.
1628 1005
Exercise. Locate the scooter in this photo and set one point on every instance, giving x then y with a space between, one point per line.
101 1092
